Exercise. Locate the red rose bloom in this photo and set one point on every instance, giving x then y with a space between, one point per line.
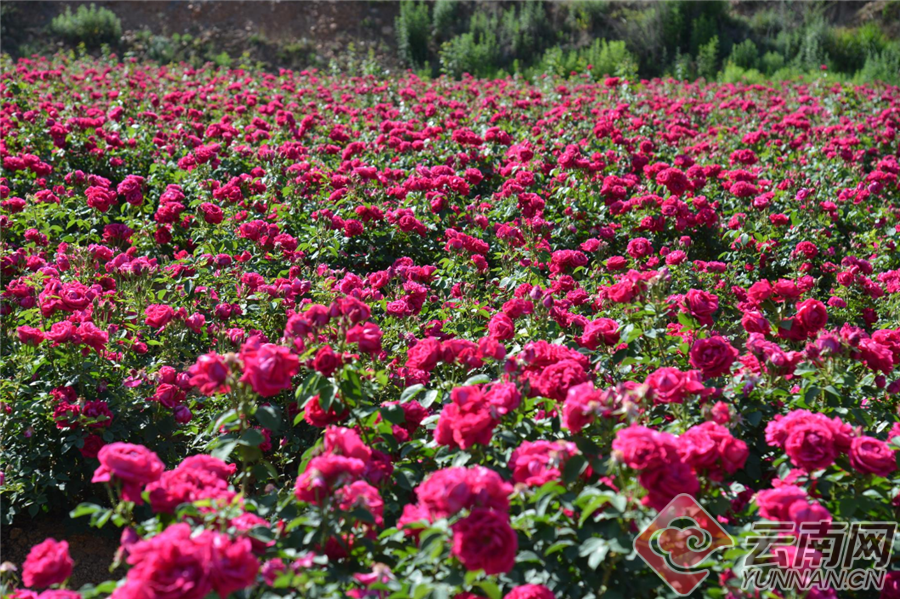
535 463
774 504
466 421
133 465
367 336
209 374
171 565
603 331
664 484
641 448
701 305
158 315
501 327
670 385
232 564
318 417
872 456
47 563
556 380
484 540
810 445
424 355
713 356
530 591
268 368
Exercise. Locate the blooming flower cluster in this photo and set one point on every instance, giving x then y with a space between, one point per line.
316 336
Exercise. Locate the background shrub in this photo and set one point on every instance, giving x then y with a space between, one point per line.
413 26
637 40
90 26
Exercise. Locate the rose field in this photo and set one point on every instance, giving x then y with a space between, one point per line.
313 335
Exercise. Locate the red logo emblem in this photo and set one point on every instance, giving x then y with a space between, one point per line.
674 551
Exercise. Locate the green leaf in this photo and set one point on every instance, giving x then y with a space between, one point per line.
588 510
393 414
269 417
410 392
223 449
430 397
490 588
595 549
352 385
251 438
83 509
574 467
478 379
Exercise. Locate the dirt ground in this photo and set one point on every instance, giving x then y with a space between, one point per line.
263 27
91 549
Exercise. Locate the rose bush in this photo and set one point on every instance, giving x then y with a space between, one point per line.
322 336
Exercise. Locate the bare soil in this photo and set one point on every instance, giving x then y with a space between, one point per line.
91 549
264 28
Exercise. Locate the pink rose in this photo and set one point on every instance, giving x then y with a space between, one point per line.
774 504
484 540
325 473
711 447
501 327
530 591
448 491
466 421
133 465
367 337
670 385
713 356
665 483
209 374
318 417
503 398
556 380
424 355
701 305
810 445
268 368
641 448
158 315
535 463
171 565
811 317
232 564
47 563
584 404
871 456
603 331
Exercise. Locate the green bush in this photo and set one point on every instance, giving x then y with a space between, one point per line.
811 53
703 30
523 30
445 14
413 32
605 58
882 66
587 14
733 73
745 55
849 49
611 58
470 53
708 58
683 67
91 26
556 62
771 62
